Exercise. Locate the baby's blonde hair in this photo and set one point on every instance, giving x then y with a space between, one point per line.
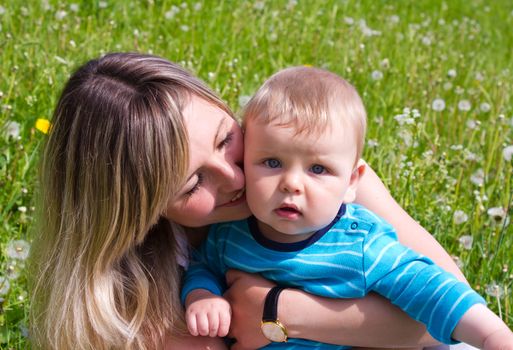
308 100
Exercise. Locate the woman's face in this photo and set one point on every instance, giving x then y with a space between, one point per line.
214 189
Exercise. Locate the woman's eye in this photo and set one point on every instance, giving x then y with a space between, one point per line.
196 186
272 163
226 140
318 169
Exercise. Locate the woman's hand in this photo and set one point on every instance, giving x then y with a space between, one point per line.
246 294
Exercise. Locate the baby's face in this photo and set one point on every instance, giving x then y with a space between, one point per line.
295 184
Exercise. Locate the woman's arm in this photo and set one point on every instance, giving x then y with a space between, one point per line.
369 322
373 194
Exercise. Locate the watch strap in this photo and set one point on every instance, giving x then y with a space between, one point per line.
271 304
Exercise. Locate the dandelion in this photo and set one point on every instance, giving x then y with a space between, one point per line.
451 73
102 4
466 242
4 285
59 15
496 213
494 290
2 10
472 124
12 129
479 76
393 19
478 177
18 249
22 209
484 107
259 5
507 153
172 12
243 100
13 270
385 63
464 105
349 20
460 217
197 6
43 125
73 7
426 40
372 143
447 86
377 75
184 28
291 4
438 104
470 156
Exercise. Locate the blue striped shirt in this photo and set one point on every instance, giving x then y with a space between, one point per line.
356 254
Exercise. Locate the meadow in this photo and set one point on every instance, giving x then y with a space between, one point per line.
436 78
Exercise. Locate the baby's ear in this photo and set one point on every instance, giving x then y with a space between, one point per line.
358 172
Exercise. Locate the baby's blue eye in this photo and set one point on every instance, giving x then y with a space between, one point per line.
272 163
317 169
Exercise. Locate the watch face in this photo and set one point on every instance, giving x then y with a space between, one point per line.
274 331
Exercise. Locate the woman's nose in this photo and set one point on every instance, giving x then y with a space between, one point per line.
229 174
291 183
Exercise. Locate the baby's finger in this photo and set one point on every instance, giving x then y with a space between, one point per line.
191 324
213 324
224 324
202 324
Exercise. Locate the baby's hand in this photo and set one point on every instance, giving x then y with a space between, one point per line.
207 314
500 340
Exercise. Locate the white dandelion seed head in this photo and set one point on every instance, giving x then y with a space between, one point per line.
385 63
59 15
484 107
73 7
349 20
479 76
466 242
496 213
377 75
447 86
451 73
211 75
259 5
464 105
4 285
477 178
22 209
12 129
507 153
438 105
13 269
494 290
470 156
197 6
456 147
291 4
2 10
459 90
18 249
460 217
172 12
472 124
372 143
426 40
102 4
394 19
243 100
184 28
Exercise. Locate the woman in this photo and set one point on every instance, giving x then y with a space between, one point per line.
141 156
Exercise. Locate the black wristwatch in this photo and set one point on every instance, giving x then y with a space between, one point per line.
271 327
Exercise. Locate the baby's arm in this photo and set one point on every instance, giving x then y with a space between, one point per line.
207 313
481 328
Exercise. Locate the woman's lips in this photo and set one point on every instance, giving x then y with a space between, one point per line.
236 200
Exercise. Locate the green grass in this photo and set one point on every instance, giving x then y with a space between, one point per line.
234 45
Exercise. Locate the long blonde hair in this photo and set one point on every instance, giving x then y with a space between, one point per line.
104 265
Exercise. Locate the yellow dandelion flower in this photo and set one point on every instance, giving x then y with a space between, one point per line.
43 125
307 65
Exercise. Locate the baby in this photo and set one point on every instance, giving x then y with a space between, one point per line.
304 134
